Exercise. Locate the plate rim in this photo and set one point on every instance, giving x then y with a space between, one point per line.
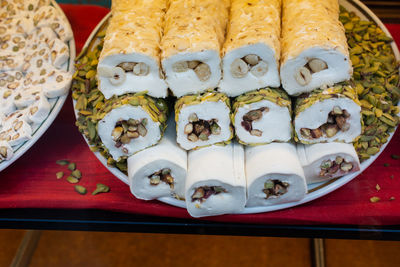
55 109
316 190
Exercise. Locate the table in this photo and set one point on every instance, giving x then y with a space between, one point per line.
32 197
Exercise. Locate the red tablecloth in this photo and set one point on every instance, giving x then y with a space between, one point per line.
31 183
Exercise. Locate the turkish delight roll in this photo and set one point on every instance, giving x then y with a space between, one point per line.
274 175
159 171
251 51
6 151
202 120
216 182
325 161
262 116
130 123
314 46
328 115
130 59
193 36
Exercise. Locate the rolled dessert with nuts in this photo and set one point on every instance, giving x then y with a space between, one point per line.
130 59
193 36
274 175
6 151
329 115
314 46
131 123
160 170
325 161
203 120
262 117
216 182
251 52
15 128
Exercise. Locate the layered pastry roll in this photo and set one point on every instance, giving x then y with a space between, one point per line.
314 46
202 120
328 115
131 123
274 175
159 171
325 161
6 151
130 58
251 51
16 130
262 116
193 35
216 182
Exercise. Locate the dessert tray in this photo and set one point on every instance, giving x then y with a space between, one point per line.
56 103
315 190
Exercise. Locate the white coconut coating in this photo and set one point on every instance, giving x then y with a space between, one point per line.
275 161
165 155
217 166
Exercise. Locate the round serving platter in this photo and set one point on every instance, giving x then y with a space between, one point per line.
55 103
315 190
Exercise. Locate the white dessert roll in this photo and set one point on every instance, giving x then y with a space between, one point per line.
329 115
251 51
325 161
274 175
6 151
314 46
193 36
159 171
38 111
130 58
216 182
262 116
129 124
16 131
203 120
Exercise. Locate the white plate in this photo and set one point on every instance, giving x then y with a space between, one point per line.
316 190
55 103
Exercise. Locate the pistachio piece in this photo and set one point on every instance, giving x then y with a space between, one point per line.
72 166
72 180
62 162
116 133
155 179
256 132
165 171
239 68
192 137
77 174
127 66
142 130
80 189
198 193
59 175
101 188
345 166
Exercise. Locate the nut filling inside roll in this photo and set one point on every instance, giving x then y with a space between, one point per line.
337 121
126 130
275 188
201 129
249 63
137 68
304 75
202 70
249 117
163 175
332 167
203 192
